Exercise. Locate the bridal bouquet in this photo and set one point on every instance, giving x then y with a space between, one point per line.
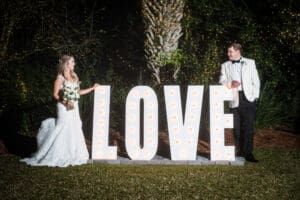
70 94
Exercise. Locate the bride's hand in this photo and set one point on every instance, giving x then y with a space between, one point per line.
70 104
96 85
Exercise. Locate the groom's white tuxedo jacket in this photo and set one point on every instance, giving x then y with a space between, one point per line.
249 80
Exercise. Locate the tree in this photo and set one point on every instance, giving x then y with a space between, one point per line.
162 30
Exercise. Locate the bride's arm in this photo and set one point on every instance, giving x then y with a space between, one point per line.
88 90
57 85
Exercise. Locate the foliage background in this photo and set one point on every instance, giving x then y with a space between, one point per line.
106 37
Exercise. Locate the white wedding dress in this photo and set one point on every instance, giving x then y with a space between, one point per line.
60 141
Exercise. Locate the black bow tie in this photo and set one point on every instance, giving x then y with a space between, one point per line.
235 61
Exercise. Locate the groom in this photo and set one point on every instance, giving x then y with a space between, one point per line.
240 75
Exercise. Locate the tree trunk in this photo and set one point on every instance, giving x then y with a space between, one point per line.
163 30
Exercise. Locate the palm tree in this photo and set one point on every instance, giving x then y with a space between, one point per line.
162 30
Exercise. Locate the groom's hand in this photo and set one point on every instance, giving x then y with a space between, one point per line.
235 84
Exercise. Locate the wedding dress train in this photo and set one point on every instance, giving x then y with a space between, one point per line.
60 141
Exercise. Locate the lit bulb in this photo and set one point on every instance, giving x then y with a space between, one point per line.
100 122
151 105
150 129
190 129
132 105
171 93
150 117
100 142
183 153
194 105
132 117
192 116
195 93
100 133
175 129
173 105
132 142
174 117
136 93
131 129
146 93
150 141
101 102
101 113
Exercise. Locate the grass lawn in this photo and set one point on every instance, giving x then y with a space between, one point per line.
276 176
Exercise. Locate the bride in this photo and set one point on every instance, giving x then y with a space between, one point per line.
61 141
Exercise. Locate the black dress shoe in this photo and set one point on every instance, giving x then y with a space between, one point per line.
250 158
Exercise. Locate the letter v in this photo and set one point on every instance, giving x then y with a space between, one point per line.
183 136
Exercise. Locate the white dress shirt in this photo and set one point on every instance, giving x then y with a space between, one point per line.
237 74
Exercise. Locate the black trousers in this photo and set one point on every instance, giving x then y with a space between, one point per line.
243 121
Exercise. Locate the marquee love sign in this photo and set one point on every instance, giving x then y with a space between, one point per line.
183 132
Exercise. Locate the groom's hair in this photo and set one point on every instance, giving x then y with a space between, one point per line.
236 46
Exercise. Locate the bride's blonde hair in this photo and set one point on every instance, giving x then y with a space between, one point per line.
62 63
